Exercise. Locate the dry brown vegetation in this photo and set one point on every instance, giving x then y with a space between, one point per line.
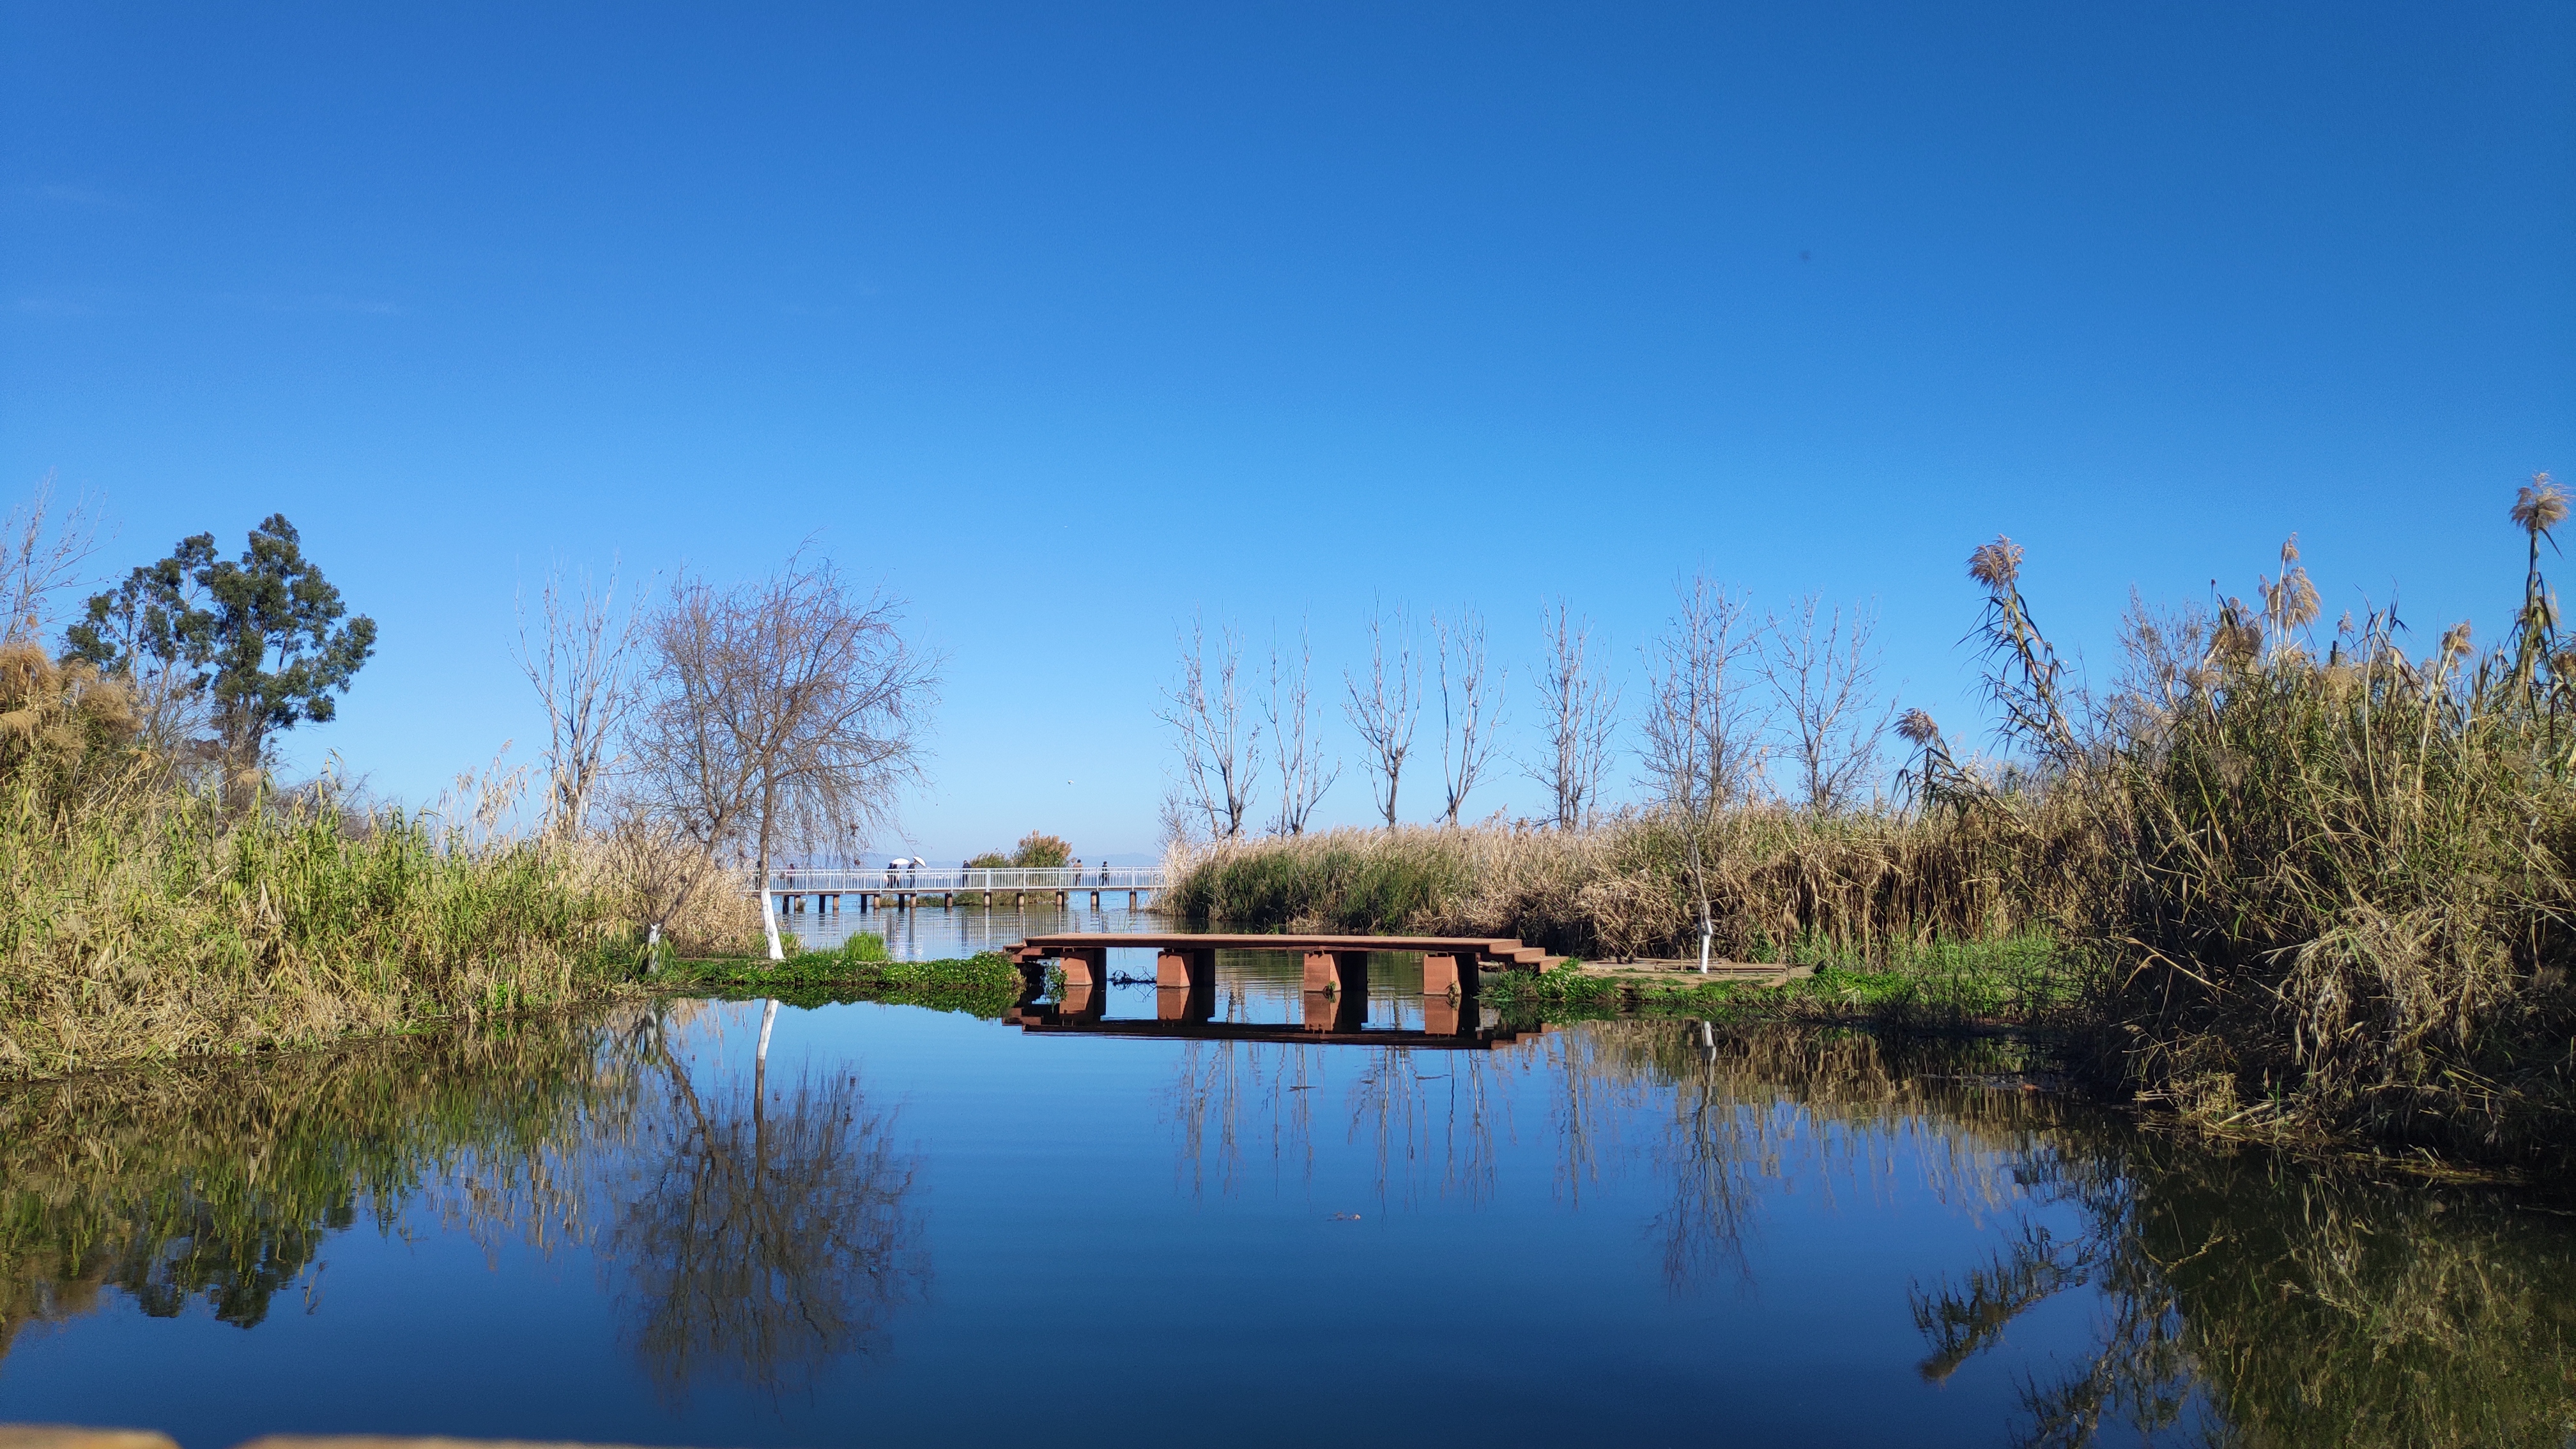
2310 882
1849 887
140 917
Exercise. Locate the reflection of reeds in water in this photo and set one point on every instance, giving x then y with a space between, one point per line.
761 1230
220 1183
2253 1302
1965 1320
2309 1307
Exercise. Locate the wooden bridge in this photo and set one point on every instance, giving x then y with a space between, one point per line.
904 887
1184 959
1336 986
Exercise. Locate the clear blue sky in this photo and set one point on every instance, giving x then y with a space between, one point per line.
1062 321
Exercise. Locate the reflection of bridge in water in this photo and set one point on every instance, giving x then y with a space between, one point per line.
1334 1004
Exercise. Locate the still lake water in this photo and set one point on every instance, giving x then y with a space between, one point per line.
920 1227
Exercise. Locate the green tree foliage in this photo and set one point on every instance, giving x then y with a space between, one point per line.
1039 849
265 639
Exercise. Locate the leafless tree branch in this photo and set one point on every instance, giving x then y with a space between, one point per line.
1580 720
1304 775
1823 673
582 666
1385 712
43 548
1218 740
1466 731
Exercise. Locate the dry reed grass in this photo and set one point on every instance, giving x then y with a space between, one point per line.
1856 886
2313 887
140 918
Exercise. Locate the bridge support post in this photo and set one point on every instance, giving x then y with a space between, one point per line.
1346 1007
1179 966
1443 1015
1448 974
1085 966
1337 971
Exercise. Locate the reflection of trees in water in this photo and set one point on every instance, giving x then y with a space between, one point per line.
220 1182
1734 1108
2278 1303
1428 1117
765 1229
2244 1300
1233 1098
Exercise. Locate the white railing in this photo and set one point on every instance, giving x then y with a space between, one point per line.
957 878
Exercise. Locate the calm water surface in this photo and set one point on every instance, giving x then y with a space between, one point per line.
915 1227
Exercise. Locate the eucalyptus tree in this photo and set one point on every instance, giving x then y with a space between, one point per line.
263 642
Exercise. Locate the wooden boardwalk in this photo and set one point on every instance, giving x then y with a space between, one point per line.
825 888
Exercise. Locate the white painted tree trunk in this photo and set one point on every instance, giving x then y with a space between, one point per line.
1704 933
769 924
768 1019
652 947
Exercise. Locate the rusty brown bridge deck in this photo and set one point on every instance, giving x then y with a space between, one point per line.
1183 959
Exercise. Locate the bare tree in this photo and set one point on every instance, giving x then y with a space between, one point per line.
779 711
1466 733
43 548
1580 718
1218 740
1385 713
583 667
1303 774
1702 753
1823 673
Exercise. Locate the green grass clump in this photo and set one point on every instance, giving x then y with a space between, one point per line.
2022 981
1343 880
984 985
